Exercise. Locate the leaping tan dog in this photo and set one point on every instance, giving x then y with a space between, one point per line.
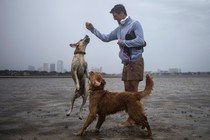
103 103
79 72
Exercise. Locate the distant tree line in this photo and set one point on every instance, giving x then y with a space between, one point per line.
31 73
14 73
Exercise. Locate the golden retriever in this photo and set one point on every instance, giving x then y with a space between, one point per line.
103 103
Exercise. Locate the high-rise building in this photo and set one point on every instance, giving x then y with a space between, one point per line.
31 68
60 66
45 67
52 67
40 69
97 69
174 70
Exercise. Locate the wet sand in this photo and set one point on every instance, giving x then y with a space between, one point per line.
179 109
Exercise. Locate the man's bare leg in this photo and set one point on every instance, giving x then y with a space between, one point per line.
129 86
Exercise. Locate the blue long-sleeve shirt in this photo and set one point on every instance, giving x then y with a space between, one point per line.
120 33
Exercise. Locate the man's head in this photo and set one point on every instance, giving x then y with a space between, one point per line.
118 12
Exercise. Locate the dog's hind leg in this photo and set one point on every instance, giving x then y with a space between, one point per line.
142 120
76 80
72 102
139 118
146 124
84 99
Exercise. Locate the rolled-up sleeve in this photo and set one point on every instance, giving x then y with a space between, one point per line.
139 40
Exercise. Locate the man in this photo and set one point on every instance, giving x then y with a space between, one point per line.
130 38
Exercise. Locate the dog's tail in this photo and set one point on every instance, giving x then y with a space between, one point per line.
148 87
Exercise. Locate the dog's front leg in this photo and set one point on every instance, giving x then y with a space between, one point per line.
87 74
101 119
84 98
89 120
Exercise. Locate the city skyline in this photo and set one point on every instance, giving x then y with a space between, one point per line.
96 69
100 69
49 67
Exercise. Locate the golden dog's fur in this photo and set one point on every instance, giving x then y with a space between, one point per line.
103 103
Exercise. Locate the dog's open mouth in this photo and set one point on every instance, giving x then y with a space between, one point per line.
87 39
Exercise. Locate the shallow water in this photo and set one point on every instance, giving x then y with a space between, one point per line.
34 108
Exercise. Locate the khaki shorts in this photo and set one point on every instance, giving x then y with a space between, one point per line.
133 71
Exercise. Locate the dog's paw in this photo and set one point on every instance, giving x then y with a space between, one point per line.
77 87
80 116
68 113
149 134
97 131
78 133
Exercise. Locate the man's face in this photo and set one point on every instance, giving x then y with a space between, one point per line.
117 17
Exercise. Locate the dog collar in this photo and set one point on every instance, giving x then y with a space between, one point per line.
96 88
79 52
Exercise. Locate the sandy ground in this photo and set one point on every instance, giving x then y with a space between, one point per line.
42 116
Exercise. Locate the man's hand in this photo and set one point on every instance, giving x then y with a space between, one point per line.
120 42
89 25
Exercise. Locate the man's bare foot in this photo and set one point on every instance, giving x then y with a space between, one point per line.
126 124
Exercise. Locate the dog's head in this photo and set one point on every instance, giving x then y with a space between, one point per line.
81 45
96 81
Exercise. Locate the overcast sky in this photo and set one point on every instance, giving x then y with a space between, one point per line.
33 32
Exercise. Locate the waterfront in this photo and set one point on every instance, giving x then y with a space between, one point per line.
34 108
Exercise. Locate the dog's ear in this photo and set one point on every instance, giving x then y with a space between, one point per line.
91 73
103 82
74 45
